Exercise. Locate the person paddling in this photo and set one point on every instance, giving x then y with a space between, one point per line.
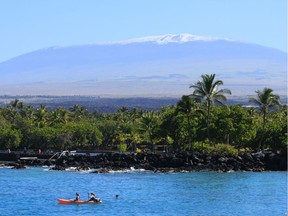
77 198
93 198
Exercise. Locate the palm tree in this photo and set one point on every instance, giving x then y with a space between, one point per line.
207 90
10 114
265 100
189 107
16 104
148 125
78 112
122 115
27 112
60 115
41 116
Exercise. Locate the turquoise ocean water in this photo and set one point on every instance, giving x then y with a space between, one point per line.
34 191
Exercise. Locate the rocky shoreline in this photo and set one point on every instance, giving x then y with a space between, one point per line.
165 163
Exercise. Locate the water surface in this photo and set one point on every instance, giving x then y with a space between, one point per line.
34 191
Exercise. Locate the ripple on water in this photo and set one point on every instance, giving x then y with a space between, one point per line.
34 191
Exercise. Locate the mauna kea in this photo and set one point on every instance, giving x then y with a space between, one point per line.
154 66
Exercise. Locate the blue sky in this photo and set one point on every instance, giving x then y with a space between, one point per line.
28 25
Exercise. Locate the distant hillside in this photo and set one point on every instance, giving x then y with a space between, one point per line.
106 105
103 105
154 66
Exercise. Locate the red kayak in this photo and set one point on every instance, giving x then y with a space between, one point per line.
71 201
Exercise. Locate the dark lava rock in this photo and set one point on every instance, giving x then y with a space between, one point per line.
184 161
19 166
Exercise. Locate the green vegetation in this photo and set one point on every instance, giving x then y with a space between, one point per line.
207 90
195 123
265 100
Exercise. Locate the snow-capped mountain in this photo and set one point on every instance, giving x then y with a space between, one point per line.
150 66
164 39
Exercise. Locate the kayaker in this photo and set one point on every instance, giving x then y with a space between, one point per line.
77 198
93 198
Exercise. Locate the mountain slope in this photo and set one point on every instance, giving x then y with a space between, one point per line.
149 66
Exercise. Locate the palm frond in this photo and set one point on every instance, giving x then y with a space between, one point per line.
224 91
255 101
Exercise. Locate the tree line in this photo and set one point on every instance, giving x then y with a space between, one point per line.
199 121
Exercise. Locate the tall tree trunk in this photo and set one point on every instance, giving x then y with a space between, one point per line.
261 139
264 117
189 133
263 132
208 120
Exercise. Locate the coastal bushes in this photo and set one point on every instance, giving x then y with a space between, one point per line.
233 126
219 149
11 138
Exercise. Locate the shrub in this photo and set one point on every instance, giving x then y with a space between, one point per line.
202 146
225 149
122 147
221 149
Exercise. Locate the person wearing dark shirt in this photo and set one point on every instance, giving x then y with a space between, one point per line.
77 198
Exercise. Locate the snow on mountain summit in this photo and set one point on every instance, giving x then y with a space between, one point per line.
158 39
144 66
167 38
